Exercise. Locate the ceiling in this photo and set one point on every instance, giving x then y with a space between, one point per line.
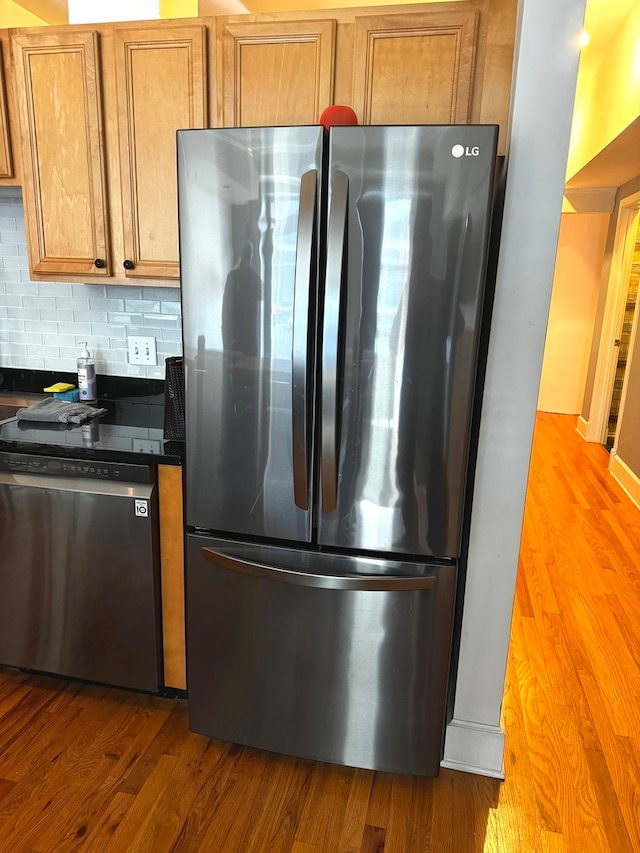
603 18
619 162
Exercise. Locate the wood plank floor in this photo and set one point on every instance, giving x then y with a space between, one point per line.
90 768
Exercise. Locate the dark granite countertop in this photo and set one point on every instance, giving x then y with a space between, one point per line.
132 430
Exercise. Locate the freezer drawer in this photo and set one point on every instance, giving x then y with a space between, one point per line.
319 656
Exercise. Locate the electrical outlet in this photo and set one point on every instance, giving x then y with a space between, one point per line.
142 446
142 350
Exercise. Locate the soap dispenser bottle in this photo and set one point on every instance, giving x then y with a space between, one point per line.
87 377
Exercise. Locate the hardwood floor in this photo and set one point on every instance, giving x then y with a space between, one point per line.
90 768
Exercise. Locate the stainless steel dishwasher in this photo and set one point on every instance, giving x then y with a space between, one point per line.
79 575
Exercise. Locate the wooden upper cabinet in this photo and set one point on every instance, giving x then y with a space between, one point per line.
100 110
276 72
161 85
65 193
6 159
414 68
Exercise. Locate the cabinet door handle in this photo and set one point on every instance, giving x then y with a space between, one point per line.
99 263
128 265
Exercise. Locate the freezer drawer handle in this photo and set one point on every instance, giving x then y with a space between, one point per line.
336 231
372 583
299 344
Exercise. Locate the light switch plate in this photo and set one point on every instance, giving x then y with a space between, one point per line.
142 350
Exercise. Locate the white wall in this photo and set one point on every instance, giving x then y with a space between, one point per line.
42 324
574 300
542 105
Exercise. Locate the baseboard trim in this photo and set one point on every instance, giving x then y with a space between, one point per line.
589 430
474 748
582 427
625 478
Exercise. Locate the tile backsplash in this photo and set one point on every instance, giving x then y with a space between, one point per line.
43 324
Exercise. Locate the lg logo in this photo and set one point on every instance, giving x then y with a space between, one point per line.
142 508
461 151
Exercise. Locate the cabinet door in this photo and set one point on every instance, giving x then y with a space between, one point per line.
414 68
276 72
65 197
6 162
161 83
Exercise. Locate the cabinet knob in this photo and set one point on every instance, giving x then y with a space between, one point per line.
128 265
99 264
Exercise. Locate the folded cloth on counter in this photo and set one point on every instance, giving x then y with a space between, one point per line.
59 411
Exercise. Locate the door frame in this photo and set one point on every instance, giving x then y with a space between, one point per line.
617 286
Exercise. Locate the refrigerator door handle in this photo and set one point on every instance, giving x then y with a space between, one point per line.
373 583
300 336
336 230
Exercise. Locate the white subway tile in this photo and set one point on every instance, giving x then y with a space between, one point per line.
91 291
15 236
10 299
7 209
104 305
164 294
18 350
104 329
90 317
172 335
30 363
26 338
18 263
121 319
71 304
160 322
51 352
11 325
36 351
54 288
68 350
62 341
142 306
23 313
49 315
42 303
48 328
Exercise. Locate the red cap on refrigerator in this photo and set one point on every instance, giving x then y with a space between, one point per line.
337 114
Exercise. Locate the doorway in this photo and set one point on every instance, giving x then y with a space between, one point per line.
611 360
624 340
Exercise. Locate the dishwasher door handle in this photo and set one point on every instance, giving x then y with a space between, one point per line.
80 485
301 578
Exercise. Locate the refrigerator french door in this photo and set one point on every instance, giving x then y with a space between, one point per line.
332 291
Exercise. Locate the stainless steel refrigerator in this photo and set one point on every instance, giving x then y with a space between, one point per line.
332 292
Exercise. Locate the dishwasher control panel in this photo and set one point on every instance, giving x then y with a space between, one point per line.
24 463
